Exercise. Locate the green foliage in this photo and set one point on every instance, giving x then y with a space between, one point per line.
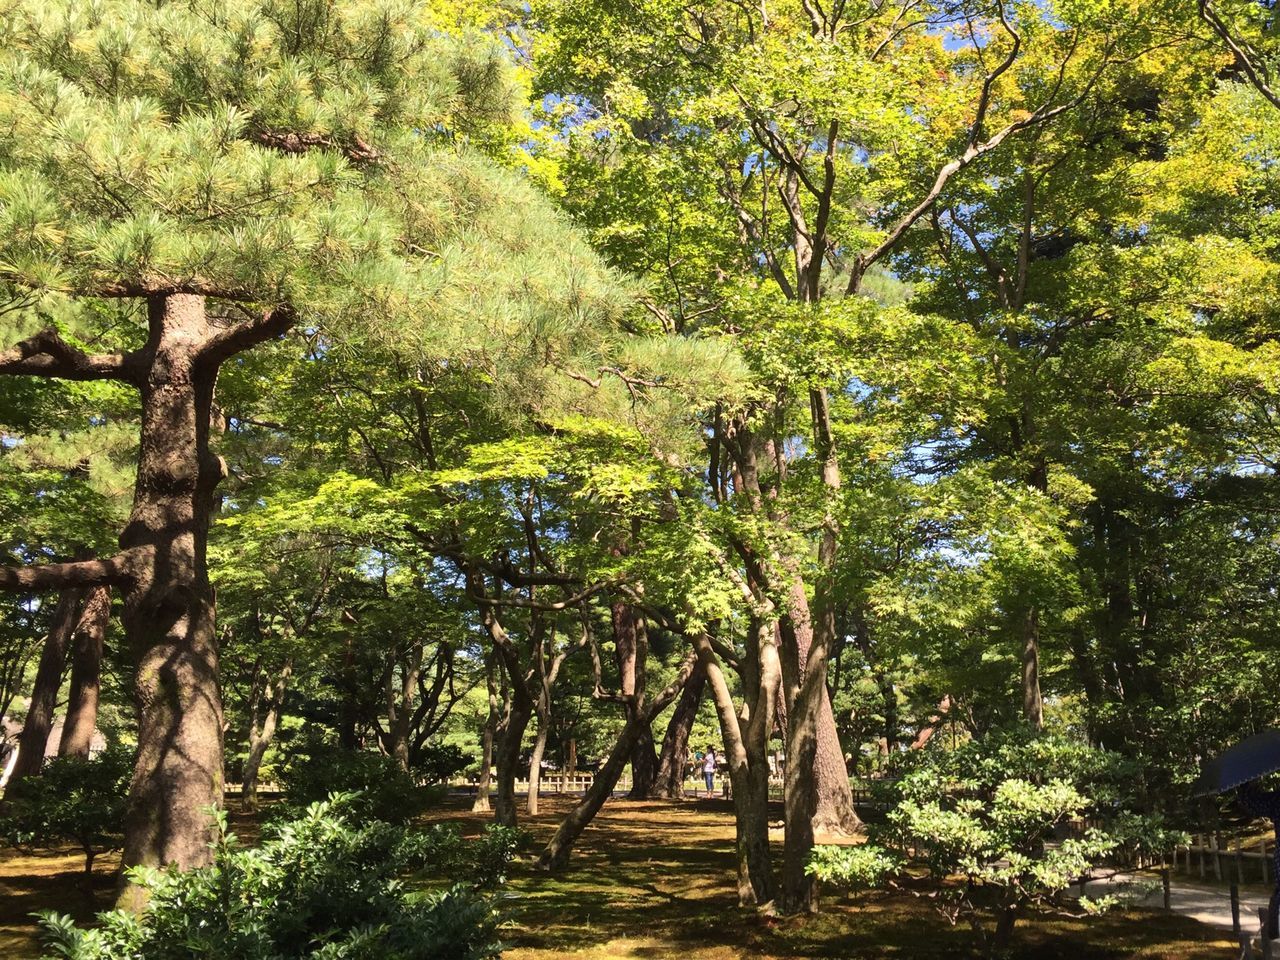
320 888
381 788
437 762
483 860
999 824
75 800
854 867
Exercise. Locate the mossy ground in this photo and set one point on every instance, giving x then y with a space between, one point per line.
655 880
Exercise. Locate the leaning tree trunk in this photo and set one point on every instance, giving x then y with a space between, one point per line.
669 782
631 646
86 674
44 694
556 853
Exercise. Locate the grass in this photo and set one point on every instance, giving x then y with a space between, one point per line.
655 880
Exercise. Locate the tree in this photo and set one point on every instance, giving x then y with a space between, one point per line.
268 166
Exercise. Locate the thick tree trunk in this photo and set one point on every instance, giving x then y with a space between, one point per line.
669 782
631 647
833 810
86 674
168 611
44 693
644 765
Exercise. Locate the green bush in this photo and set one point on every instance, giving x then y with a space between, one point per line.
73 800
483 861
321 888
437 763
314 770
854 867
993 813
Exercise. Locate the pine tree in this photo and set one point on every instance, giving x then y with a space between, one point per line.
183 182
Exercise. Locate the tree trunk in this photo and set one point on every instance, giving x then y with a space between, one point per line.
168 611
816 791
570 759
507 758
1032 705
669 782
535 762
644 765
748 763
86 674
631 647
261 737
833 810
44 694
556 853
481 802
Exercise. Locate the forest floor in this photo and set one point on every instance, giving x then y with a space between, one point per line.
655 880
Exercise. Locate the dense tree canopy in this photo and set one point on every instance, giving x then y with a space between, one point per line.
568 386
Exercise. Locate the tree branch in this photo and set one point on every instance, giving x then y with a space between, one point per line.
113 571
46 354
1254 69
270 324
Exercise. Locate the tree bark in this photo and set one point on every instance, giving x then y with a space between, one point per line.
86 674
261 737
507 757
669 782
535 762
833 802
168 611
556 853
481 802
746 755
631 648
1032 705
34 738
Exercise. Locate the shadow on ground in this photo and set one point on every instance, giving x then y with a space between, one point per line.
655 880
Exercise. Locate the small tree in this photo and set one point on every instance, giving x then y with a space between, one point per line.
75 800
992 822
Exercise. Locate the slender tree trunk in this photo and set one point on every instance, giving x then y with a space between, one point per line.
556 854
507 758
571 758
1032 705
746 756
44 694
261 737
349 709
669 782
86 674
481 802
168 611
535 761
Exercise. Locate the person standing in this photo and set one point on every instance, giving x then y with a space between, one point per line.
709 763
